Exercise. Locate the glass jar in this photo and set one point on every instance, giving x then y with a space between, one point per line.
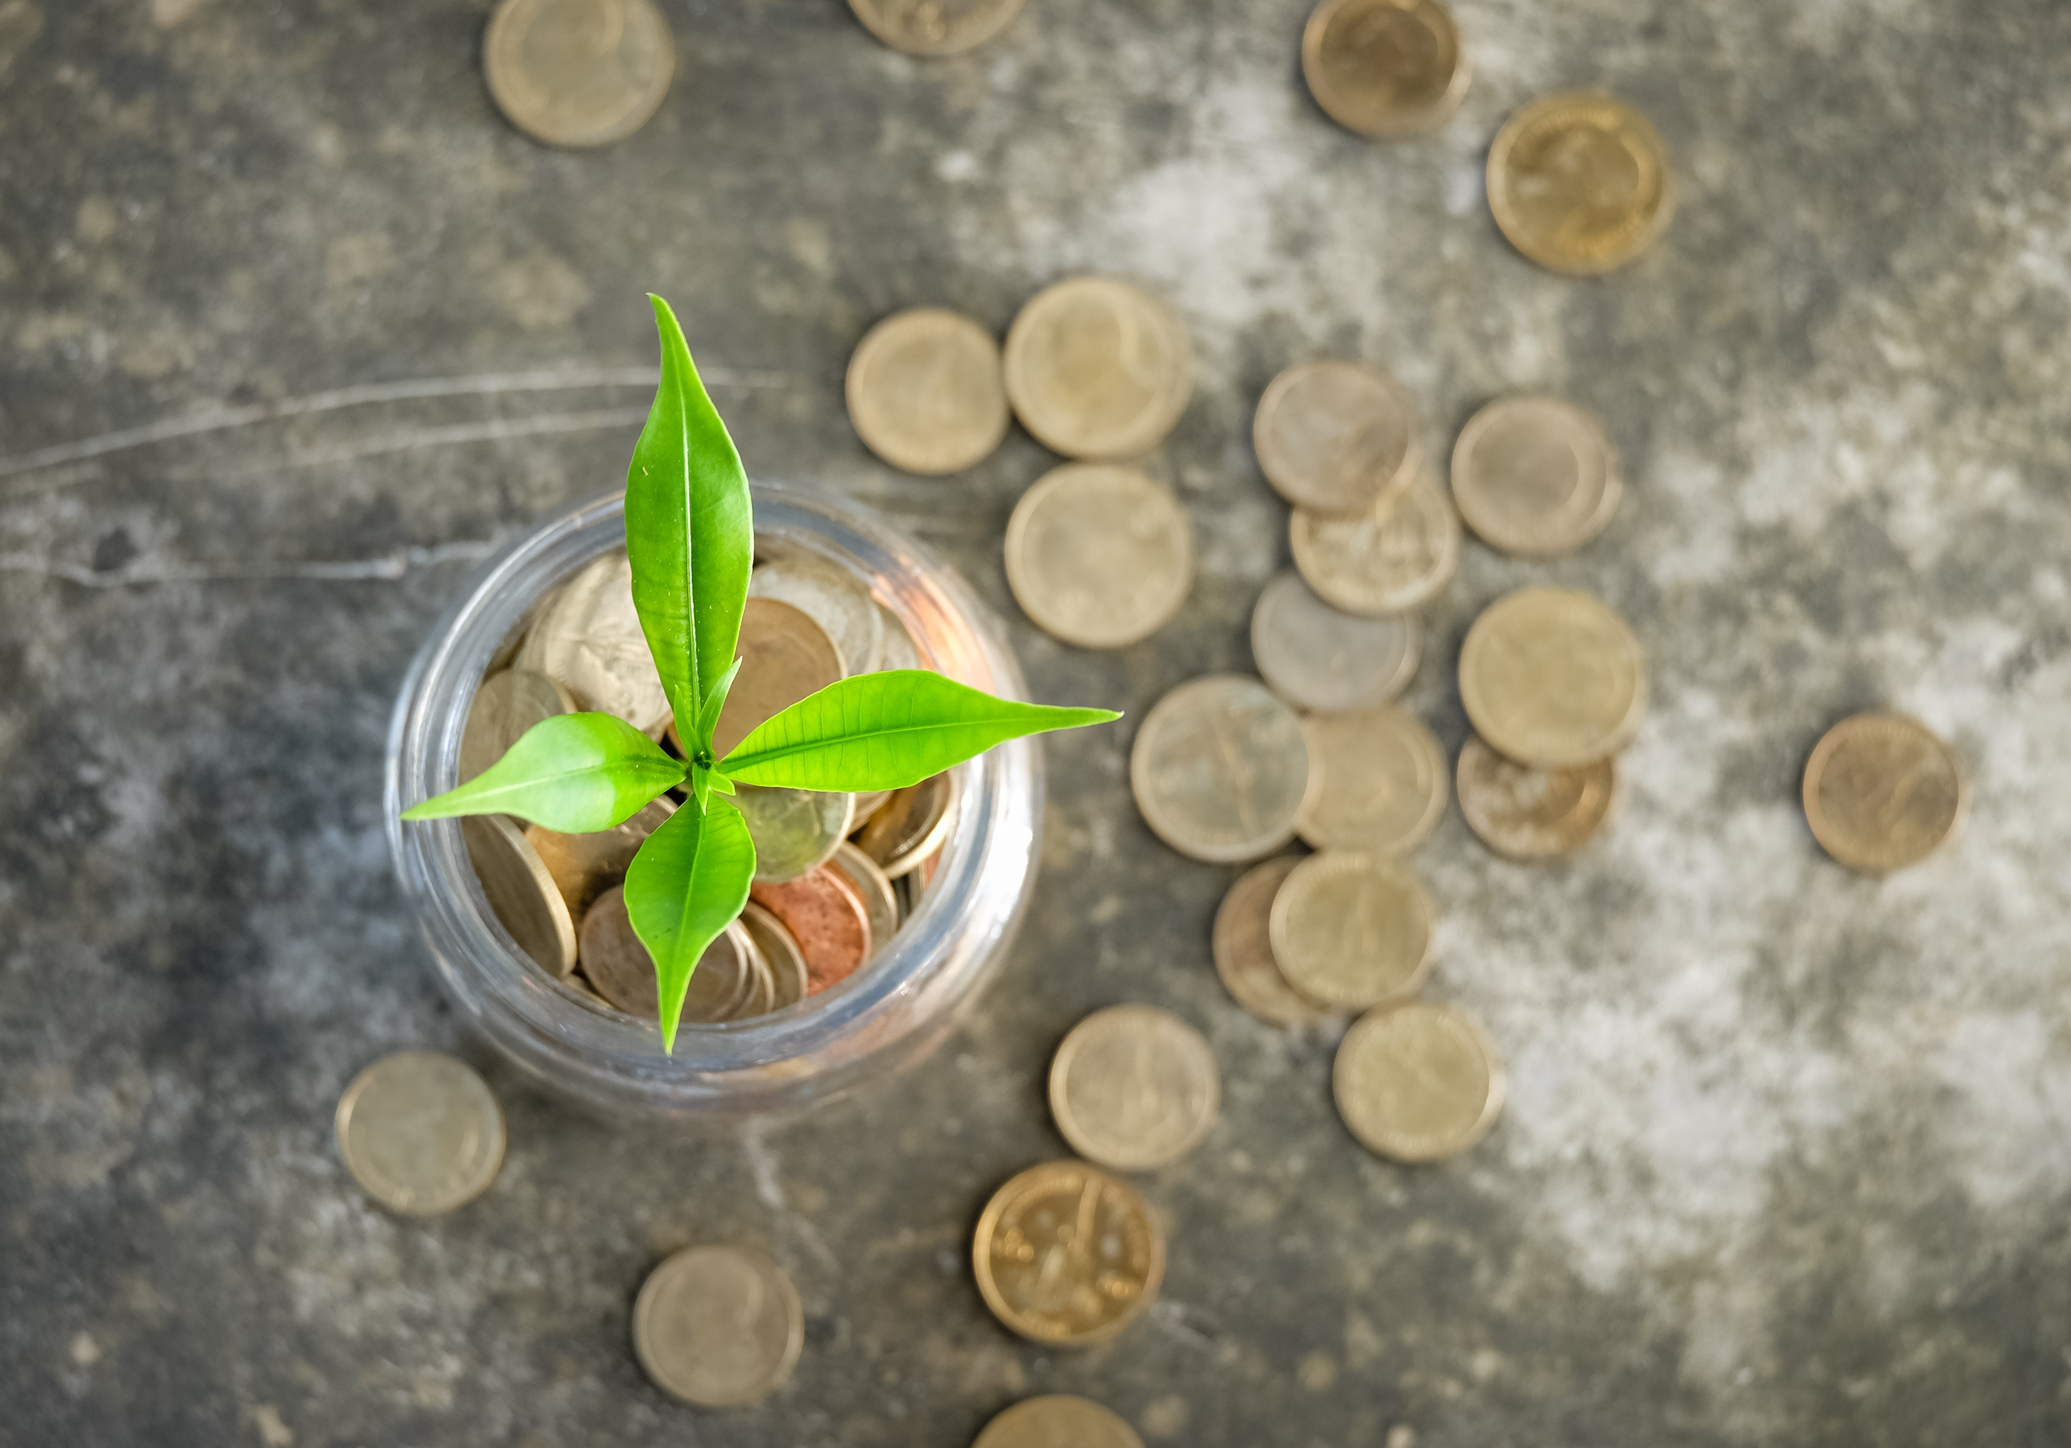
886 1016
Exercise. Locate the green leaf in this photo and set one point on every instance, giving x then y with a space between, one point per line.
690 531
689 880
704 783
715 702
573 773
888 730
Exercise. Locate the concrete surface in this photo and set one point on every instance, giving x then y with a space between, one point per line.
1788 1153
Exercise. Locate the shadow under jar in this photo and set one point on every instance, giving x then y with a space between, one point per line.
886 1016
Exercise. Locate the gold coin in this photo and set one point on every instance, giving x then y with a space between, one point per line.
1351 930
1385 68
785 656
789 973
1098 556
718 1327
578 73
589 641
1067 1255
910 826
1383 782
586 864
935 27
507 705
795 830
1418 1081
1579 183
1533 815
1058 1421
925 392
1220 769
873 887
1323 659
834 598
1882 792
1383 561
1098 370
1243 948
1535 476
1134 1088
421 1132
1553 678
521 891
1336 437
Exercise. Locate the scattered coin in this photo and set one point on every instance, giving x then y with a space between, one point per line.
1351 930
1579 183
1134 1088
521 892
1552 678
590 642
622 971
718 1327
578 73
788 973
1058 1421
910 827
1533 815
1098 370
1244 949
827 921
1882 792
1099 556
786 656
1535 476
899 650
1383 786
1067 1255
505 707
1385 68
935 27
584 865
1220 769
925 393
1324 659
421 1132
795 830
1418 1081
836 600
1336 437
1384 561
873 887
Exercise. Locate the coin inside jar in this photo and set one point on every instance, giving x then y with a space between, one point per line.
789 977
873 887
1220 769
910 826
1882 792
925 392
1096 369
1552 678
719 1327
420 1132
1388 559
1336 437
1352 931
1058 1421
1244 949
591 643
1134 1088
1580 183
1101 557
834 598
622 971
935 27
1067 1255
826 919
1390 69
521 891
584 865
1383 782
1535 476
505 707
1321 658
1533 815
784 656
578 73
794 830
1418 1081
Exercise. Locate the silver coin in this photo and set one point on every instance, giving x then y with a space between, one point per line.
506 706
873 887
578 73
521 891
1390 558
789 974
590 642
720 1327
1220 769
795 830
1320 658
833 598
421 1132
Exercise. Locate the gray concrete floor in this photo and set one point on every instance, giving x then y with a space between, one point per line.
1788 1153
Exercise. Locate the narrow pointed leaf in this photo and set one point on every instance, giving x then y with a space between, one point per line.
690 533
715 702
573 773
689 880
888 730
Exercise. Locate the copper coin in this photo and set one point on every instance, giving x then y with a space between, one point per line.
827 921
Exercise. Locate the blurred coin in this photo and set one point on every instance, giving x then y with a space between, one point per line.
590 642
1244 948
622 971
1099 556
935 27
1220 769
521 892
794 830
1352 930
924 391
1533 815
421 1132
1058 1421
784 656
1336 437
1535 476
1098 370
1321 658
873 887
1882 792
1418 1081
910 827
1067 1255
762 984
788 973
718 1327
1552 678
837 600
1383 784
1579 183
899 651
1385 68
1384 561
827 921
505 707
584 865
578 73
1134 1088
868 805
